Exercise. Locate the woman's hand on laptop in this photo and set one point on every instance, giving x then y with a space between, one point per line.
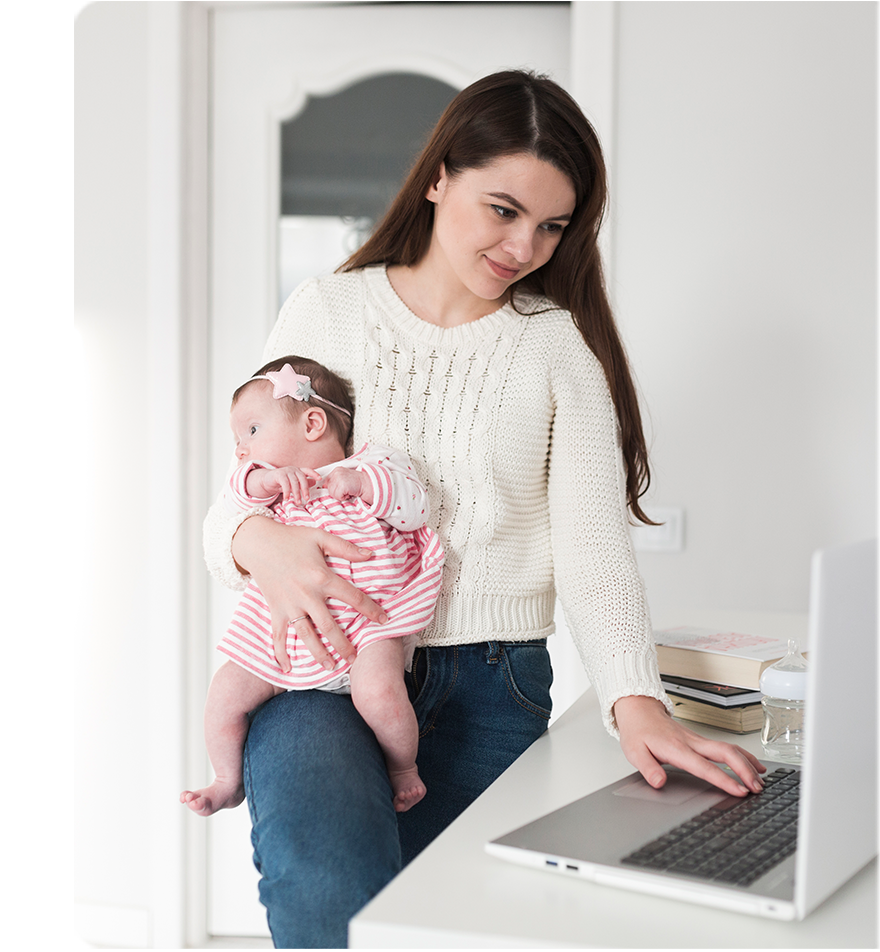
649 737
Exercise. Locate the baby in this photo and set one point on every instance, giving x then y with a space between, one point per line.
290 440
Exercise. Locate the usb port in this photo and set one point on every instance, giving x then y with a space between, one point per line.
552 862
569 866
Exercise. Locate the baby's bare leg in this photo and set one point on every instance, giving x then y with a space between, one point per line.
379 694
233 694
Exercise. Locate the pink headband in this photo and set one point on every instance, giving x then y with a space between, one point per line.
288 383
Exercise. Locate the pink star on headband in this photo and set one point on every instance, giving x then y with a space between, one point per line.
288 383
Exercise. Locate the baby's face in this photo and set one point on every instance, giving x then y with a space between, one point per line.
263 429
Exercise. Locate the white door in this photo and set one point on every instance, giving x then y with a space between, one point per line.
268 63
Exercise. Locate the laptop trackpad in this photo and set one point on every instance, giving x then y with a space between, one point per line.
679 788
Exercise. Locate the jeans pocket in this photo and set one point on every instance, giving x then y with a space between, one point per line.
529 675
417 678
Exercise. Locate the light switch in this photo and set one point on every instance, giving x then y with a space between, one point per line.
668 537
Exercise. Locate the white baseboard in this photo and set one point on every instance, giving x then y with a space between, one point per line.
115 927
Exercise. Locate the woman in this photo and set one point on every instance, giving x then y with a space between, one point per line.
478 338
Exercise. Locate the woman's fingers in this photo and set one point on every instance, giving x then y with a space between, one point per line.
709 753
289 565
650 738
305 631
323 581
700 767
307 634
279 641
335 635
339 588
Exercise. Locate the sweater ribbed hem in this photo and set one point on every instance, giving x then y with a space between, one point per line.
463 619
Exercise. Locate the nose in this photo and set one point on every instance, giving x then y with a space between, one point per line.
520 246
240 451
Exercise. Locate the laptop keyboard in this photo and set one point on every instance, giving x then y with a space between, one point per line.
733 842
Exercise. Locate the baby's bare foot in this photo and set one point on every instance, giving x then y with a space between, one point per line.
219 796
407 788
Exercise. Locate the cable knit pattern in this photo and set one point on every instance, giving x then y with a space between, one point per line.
512 430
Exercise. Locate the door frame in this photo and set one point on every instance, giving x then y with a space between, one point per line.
593 55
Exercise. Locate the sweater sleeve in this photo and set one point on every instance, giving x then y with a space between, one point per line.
597 577
300 328
299 323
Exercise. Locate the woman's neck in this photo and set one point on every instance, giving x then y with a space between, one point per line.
433 297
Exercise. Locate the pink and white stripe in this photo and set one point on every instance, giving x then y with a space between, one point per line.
403 576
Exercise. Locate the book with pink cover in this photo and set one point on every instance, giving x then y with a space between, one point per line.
725 657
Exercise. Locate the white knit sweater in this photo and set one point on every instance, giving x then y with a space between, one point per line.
512 430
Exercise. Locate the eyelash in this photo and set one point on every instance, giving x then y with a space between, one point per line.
508 214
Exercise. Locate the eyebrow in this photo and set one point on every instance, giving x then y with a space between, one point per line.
520 207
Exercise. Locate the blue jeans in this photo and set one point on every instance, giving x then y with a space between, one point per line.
325 835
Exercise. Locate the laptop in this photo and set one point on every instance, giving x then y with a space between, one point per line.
628 835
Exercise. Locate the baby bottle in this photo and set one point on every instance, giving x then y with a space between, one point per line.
784 686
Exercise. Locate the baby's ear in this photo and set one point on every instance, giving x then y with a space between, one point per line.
314 423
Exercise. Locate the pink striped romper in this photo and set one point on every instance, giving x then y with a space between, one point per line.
403 576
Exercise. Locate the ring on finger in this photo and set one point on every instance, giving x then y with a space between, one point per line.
293 621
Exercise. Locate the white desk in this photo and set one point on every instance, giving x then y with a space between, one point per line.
456 896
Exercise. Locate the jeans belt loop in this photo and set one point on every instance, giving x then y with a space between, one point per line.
493 653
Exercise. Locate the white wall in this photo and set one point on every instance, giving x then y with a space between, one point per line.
111 276
745 279
129 723
744 269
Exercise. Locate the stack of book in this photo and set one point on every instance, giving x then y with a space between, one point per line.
713 677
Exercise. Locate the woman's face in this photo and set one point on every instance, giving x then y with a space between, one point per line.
496 224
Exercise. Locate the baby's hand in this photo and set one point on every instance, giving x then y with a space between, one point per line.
343 483
288 481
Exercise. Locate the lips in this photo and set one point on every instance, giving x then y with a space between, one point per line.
503 272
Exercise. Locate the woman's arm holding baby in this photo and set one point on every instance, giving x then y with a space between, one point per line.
288 563
242 540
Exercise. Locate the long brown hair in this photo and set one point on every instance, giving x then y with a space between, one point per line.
511 113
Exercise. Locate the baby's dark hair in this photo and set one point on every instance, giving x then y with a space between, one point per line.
325 383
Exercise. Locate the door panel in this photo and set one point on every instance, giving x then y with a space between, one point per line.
266 63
